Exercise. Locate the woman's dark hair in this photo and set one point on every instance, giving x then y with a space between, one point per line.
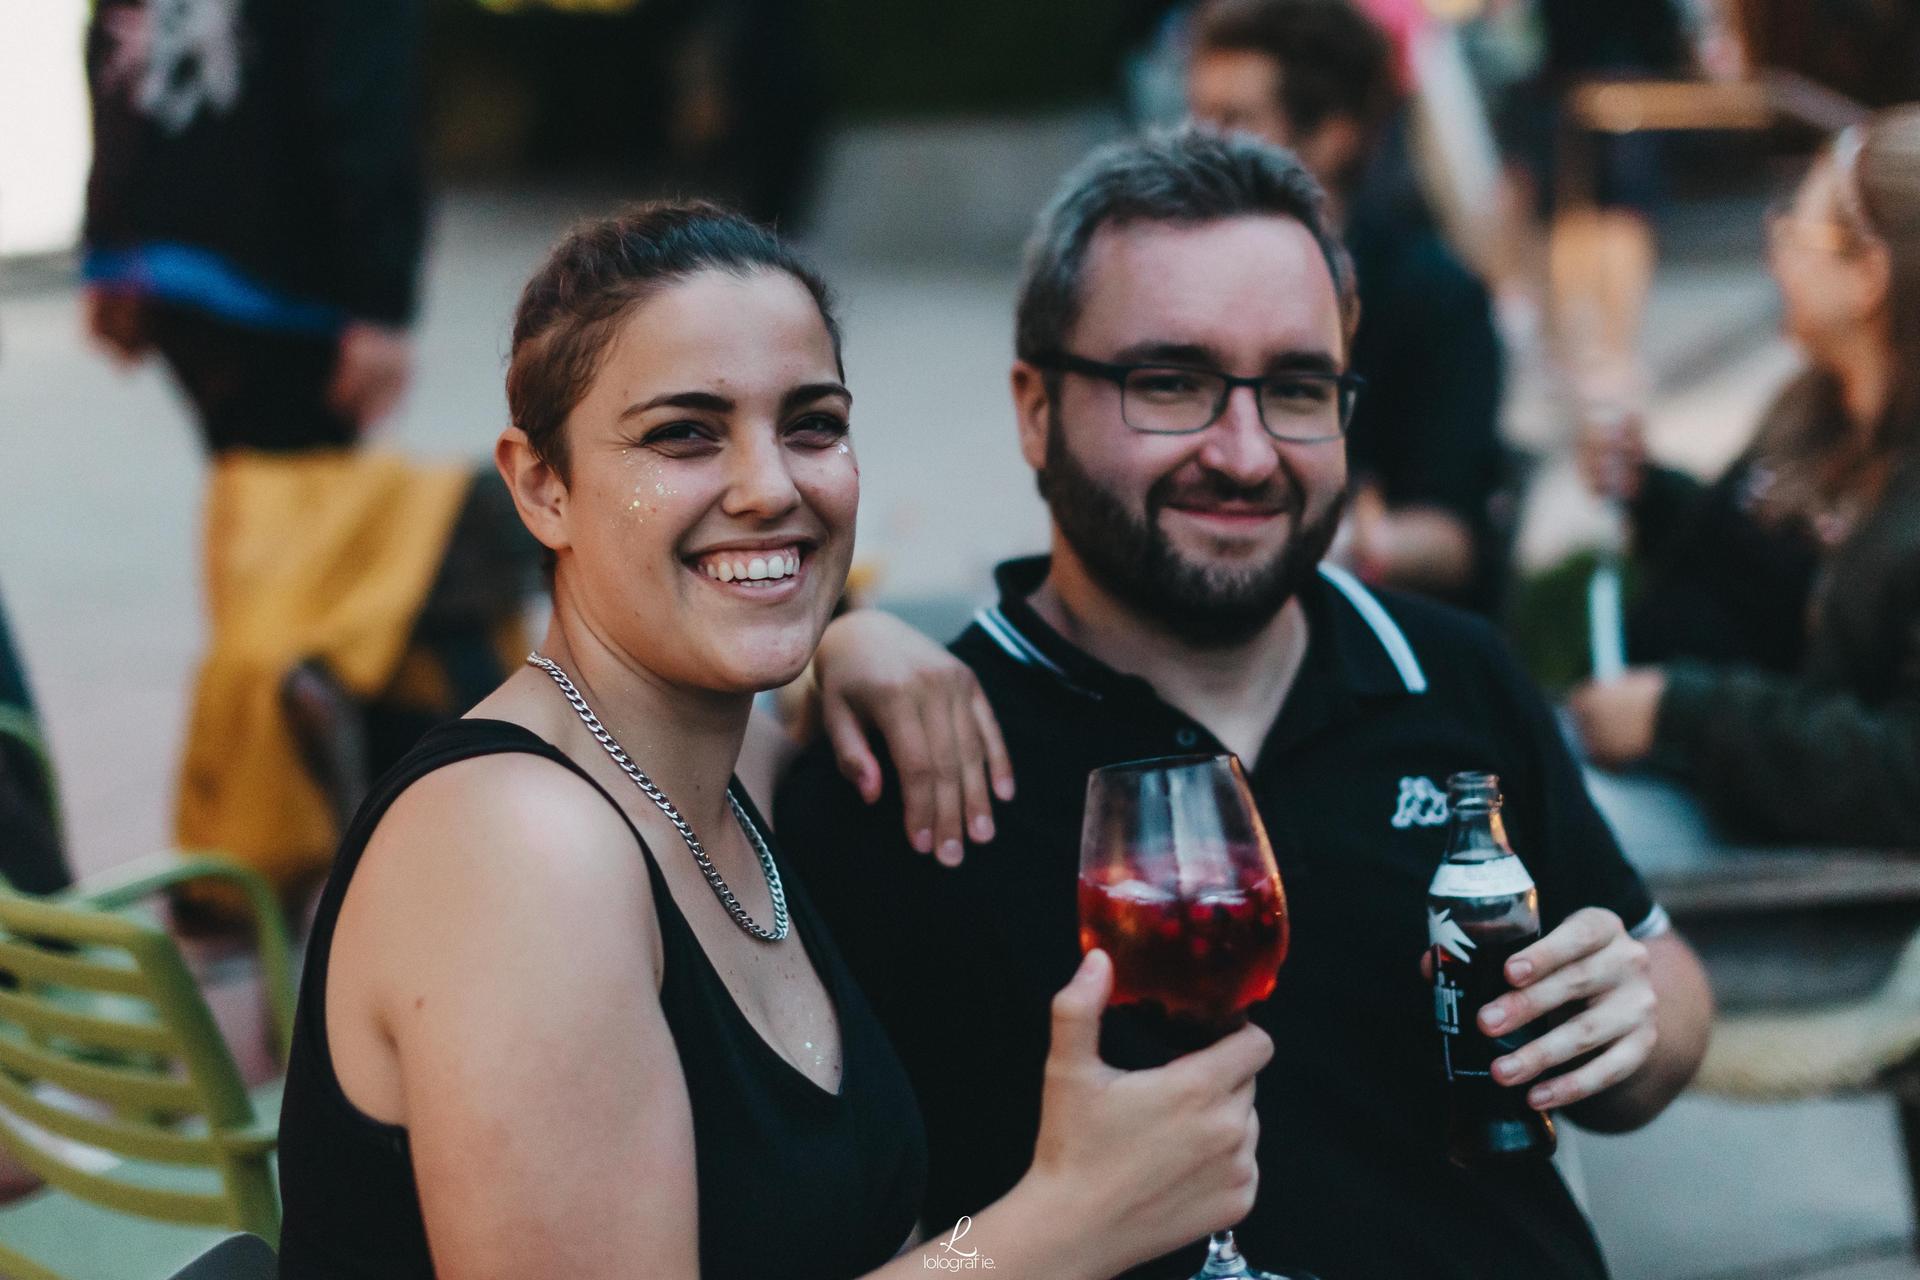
1888 173
600 272
1818 463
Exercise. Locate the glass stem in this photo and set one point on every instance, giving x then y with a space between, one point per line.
1223 1257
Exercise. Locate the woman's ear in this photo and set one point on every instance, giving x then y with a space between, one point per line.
1032 409
1875 266
538 491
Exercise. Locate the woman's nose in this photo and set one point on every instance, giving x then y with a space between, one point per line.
760 482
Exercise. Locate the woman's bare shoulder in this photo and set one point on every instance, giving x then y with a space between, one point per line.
512 844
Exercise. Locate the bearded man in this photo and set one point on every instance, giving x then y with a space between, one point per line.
1180 385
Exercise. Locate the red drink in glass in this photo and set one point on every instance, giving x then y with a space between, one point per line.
1200 958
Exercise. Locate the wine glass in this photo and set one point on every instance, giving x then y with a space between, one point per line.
1178 885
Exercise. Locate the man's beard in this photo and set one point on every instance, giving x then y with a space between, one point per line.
1136 562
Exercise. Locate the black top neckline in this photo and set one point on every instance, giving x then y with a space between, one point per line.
663 892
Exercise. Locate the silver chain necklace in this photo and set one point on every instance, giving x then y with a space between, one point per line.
720 890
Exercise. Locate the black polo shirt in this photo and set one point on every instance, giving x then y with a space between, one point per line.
1393 695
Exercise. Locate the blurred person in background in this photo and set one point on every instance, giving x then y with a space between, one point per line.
256 209
545 1030
32 851
1185 609
751 104
1318 76
1792 703
255 217
1601 250
31 856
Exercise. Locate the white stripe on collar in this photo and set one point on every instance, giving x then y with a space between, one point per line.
1385 629
1002 632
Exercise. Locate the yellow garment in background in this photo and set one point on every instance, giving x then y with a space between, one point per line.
322 555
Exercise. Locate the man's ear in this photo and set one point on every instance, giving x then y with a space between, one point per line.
538 491
1032 408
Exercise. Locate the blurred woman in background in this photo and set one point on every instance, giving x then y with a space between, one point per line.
1800 570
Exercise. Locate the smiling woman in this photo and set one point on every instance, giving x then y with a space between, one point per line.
523 1050
648 456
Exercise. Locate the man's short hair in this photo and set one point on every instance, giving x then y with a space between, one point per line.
1185 177
1333 60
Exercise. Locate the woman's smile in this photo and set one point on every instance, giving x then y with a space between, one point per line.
763 570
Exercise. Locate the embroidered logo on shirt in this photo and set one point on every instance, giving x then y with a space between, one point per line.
1421 804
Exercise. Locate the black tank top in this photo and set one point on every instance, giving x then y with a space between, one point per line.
793 1181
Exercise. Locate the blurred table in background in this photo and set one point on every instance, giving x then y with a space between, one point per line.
1777 927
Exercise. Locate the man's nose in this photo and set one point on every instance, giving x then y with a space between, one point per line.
1237 445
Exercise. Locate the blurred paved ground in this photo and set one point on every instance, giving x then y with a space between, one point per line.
99 476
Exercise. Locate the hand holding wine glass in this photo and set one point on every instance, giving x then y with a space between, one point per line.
1161 1157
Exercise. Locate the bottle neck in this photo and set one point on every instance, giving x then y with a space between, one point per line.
1476 834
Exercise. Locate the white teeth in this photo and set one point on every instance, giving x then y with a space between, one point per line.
783 564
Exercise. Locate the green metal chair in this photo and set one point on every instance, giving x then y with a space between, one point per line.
241 1257
116 1088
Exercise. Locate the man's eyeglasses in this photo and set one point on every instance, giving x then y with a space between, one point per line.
1301 407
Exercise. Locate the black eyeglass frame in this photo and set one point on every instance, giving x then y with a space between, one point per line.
1346 385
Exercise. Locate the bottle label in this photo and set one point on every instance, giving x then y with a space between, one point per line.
1493 878
1460 991
1469 1060
1470 971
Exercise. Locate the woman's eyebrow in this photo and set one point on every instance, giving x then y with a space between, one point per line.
681 400
713 402
811 391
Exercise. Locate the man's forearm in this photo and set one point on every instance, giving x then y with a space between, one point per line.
1684 1019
